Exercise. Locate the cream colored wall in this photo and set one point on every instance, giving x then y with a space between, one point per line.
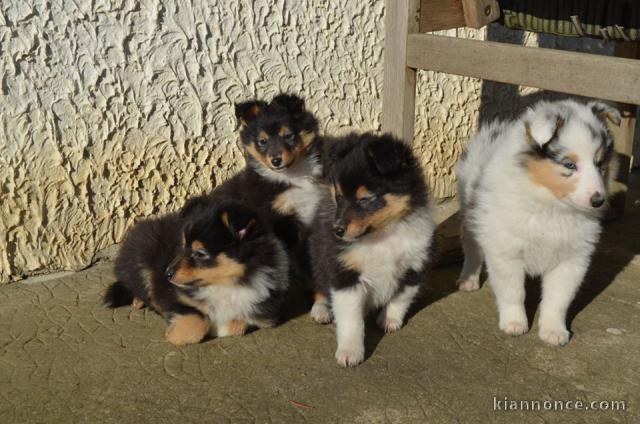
115 110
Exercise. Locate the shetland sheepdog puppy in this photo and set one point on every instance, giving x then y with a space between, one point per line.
532 192
281 146
370 241
209 270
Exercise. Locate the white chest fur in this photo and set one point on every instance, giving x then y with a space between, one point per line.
226 303
383 258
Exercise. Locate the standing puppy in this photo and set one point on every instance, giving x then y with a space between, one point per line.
532 192
371 238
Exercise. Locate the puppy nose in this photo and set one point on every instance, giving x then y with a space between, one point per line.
277 161
597 200
339 231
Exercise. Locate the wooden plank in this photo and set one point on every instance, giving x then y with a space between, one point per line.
437 15
478 13
623 138
399 84
610 78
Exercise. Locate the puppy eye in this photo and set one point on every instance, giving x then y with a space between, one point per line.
262 142
200 254
570 165
364 201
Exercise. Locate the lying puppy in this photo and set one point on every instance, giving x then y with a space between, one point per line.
210 269
371 238
532 192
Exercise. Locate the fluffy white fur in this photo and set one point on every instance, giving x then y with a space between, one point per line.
305 193
225 303
385 257
519 227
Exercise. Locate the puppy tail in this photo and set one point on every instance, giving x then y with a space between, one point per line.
117 295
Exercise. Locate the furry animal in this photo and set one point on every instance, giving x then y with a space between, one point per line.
281 147
532 192
212 269
371 238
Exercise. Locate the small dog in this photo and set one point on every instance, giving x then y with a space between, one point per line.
531 193
281 146
371 238
208 270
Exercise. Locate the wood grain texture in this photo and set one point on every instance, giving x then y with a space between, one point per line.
609 78
398 110
478 13
437 15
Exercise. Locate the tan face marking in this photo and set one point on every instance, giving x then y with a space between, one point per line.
396 207
251 150
548 174
284 131
187 329
362 192
226 272
197 245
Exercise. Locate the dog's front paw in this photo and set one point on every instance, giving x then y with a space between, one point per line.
349 356
515 328
187 329
554 336
468 284
321 313
388 323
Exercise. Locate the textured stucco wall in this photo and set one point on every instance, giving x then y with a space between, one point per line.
113 110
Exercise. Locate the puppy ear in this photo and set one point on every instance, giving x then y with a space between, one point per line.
290 102
606 112
247 112
240 223
543 128
193 204
333 151
387 154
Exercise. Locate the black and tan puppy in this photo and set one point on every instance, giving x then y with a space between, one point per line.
280 142
212 269
371 238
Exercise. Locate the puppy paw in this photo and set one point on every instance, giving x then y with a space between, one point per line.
349 356
515 328
388 323
554 336
321 313
469 284
137 303
187 329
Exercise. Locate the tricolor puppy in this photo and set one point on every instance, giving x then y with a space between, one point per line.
280 141
532 192
208 270
371 238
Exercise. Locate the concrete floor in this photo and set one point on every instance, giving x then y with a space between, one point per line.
66 359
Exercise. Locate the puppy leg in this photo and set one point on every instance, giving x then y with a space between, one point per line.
348 311
559 287
392 316
321 309
469 279
506 277
232 328
187 329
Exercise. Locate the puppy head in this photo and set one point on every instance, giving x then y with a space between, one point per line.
375 182
214 245
278 134
570 150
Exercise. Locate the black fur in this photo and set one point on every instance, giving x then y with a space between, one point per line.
384 165
153 247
